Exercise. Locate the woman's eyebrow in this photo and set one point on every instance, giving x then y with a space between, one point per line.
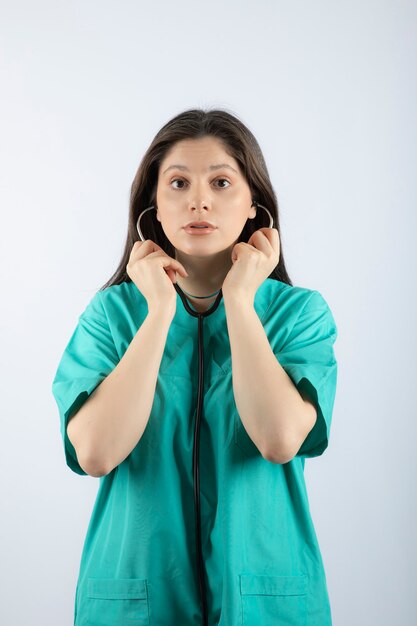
211 167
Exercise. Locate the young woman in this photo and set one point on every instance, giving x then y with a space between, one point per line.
195 384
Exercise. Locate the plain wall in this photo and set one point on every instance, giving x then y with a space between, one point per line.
329 90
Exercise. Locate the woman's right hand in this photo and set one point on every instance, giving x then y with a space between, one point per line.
153 273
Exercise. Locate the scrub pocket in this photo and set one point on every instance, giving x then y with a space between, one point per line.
273 600
117 602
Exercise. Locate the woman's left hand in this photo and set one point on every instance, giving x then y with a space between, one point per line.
252 262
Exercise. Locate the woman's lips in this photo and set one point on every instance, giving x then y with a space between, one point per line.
199 231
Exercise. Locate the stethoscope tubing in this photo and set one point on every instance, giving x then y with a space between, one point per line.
142 238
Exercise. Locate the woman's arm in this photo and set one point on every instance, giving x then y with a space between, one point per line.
274 414
112 420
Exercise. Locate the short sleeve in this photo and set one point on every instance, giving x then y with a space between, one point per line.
88 358
309 360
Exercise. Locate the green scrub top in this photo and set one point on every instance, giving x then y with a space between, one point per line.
228 540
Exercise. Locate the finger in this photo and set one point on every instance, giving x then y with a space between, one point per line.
174 264
149 248
264 240
143 248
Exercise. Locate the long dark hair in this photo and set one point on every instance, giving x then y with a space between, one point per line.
239 142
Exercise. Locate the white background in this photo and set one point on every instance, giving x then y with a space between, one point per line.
329 90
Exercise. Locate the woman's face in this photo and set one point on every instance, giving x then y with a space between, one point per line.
219 195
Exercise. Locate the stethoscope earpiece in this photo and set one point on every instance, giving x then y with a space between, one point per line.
141 237
271 219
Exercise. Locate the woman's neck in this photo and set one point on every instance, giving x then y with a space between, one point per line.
205 274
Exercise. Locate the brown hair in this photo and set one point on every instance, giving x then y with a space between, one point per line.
239 142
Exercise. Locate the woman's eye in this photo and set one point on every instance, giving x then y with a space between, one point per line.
182 181
224 179
176 180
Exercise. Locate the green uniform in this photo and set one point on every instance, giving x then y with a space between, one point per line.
195 527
